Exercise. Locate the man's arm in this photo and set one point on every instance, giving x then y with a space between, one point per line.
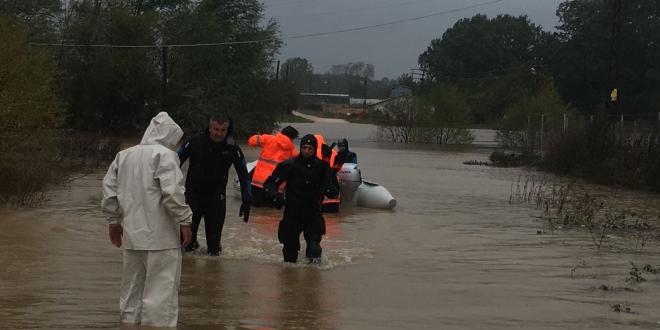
258 140
329 184
170 178
110 203
240 166
246 187
280 175
184 151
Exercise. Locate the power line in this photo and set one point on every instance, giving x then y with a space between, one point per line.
299 36
358 9
292 2
153 46
405 20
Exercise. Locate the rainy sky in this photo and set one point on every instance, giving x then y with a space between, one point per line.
390 34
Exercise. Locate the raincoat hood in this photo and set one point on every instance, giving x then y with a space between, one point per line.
343 143
162 130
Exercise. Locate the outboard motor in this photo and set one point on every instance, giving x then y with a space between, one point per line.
349 178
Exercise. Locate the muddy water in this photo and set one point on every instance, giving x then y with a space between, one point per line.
453 255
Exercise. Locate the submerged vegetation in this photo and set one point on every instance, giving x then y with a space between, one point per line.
571 206
574 206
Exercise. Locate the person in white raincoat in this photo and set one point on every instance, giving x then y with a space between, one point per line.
143 199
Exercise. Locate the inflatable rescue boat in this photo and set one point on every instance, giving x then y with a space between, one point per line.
354 191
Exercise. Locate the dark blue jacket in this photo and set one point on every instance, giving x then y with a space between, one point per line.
209 163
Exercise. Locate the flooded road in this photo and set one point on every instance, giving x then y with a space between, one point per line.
454 254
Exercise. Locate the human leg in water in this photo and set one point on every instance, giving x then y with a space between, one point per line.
313 233
214 220
288 233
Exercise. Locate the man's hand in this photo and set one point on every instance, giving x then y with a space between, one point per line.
186 235
332 192
278 201
115 233
245 212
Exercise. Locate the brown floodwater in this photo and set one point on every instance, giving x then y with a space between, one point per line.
454 254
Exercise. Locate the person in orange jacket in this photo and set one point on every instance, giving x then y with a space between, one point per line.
274 150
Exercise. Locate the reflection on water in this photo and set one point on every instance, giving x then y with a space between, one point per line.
453 255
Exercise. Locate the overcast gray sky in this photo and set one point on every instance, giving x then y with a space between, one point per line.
392 48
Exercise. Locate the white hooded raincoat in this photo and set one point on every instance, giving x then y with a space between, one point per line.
143 189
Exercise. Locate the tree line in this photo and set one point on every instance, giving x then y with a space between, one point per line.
103 87
193 58
602 58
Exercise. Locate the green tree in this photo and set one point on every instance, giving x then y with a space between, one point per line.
29 113
604 48
111 89
298 73
397 124
223 78
446 116
479 47
118 89
527 122
496 59
27 97
35 16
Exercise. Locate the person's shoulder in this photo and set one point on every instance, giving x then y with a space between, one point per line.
194 139
161 149
289 161
230 143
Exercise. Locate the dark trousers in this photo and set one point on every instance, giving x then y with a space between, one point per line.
213 210
294 223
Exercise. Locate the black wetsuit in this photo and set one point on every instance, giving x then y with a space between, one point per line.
307 181
344 156
206 184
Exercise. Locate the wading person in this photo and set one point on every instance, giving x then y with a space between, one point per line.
143 199
308 180
274 150
210 155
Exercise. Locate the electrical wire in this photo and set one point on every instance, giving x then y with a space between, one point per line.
355 10
299 36
367 27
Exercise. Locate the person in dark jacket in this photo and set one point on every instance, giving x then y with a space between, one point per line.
308 180
344 155
210 156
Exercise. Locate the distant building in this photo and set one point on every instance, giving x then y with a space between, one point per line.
400 90
319 100
358 102
382 105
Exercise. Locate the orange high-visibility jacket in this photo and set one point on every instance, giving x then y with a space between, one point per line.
319 154
320 141
275 149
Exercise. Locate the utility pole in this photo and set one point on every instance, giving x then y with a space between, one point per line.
277 71
615 45
163 73
364 101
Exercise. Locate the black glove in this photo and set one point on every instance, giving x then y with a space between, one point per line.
332 192
245 211
278 201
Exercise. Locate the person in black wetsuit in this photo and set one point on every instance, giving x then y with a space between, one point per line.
308 180
210 156
344 155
